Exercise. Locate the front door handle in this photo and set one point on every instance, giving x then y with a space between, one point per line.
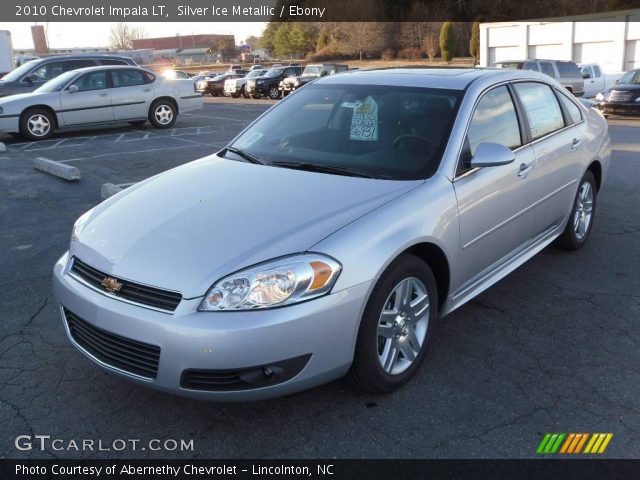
576 143
524 169
146 89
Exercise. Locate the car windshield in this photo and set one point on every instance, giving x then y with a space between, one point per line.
274 72
220 77
632 77
58 83
254 73
312 70
391 132
19 72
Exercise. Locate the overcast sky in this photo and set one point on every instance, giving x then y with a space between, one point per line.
96 34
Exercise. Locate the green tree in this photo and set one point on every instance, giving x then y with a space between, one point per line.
447 41
282 44
267 38
323 41
474 43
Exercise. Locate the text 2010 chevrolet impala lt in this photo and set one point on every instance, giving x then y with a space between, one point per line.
331 234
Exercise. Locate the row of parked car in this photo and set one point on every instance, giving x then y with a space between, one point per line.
275 82
614 94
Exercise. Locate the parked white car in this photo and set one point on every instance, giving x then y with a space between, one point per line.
98 95
595 79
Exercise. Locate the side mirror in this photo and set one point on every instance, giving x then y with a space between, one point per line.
491 155
586 75
30 78
73 88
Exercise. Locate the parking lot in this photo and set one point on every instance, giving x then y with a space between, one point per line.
554 347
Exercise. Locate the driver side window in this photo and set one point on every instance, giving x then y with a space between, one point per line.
92 81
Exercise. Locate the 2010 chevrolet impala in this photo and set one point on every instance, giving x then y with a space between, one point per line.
330 235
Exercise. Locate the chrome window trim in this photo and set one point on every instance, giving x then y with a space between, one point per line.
116 297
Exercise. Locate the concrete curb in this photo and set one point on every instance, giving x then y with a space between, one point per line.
57 169
109 190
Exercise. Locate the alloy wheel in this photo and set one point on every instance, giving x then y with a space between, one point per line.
38 125
163 114
402 326
583 211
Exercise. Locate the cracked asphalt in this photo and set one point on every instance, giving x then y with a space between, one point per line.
554 347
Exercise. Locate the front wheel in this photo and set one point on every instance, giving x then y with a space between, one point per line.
163 113
396 325
244 93
274 93
37 124
578 227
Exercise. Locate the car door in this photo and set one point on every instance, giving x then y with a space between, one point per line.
557 132
132 93
87 99
494 203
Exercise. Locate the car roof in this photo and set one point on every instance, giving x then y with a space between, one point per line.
111 67
449 78
81 56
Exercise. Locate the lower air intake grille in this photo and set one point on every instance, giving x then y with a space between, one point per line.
119 352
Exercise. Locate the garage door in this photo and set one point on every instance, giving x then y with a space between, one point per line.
632 55
500 54
547 52
595 52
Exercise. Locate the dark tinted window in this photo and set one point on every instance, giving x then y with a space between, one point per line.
531 66
541 108
112 61
394 132
127 78
596 69
571 108
547 69
568 70
92 81
49 70
494 121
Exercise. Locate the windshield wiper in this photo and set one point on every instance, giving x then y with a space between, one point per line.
310 167
247 156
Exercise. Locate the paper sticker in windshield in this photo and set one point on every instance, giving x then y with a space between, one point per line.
364 123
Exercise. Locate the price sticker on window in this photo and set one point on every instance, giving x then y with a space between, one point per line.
364 123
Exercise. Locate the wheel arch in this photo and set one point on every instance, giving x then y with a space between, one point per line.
48 108
165 98
595 167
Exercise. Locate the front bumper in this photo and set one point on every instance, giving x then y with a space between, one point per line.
257 89
629 108
322 331
9 123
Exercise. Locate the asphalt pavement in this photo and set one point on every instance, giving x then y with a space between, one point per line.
554 347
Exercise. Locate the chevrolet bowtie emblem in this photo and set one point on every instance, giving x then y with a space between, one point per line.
111 284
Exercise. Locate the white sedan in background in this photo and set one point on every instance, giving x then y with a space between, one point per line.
98 95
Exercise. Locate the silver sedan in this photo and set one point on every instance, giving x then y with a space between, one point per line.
95 96
332 233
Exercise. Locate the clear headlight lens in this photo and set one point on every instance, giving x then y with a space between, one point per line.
280 282
80 224
600 96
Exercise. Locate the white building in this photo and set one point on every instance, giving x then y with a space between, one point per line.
611 39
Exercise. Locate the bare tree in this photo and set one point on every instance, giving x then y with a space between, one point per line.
363 37
430 45
122 36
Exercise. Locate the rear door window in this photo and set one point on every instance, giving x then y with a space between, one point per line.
541 108
568 70
127 78
571 108
547 69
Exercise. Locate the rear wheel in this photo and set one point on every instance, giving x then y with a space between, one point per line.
235 95
163 113
396 326
255 96
244 93
578 228
37 124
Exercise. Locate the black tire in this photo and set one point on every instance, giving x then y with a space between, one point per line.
366 372
37 124
235 95
243 92
159 115
576 234
137 123
255 96
285 93
274 93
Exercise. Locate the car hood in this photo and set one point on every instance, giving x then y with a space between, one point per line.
16 97
185 229
625 87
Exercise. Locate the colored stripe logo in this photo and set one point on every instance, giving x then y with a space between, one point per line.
574 443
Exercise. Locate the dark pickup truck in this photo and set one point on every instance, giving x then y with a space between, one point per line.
268 84
311 72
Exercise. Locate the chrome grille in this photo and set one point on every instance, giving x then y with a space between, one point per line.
618 96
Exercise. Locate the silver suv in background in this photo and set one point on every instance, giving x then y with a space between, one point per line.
565 72
35 73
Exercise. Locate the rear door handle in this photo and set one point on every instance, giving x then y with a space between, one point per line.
576 143
103 94
146 89
524 169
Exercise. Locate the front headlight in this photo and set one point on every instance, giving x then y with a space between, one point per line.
280 282
80 224
600 96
